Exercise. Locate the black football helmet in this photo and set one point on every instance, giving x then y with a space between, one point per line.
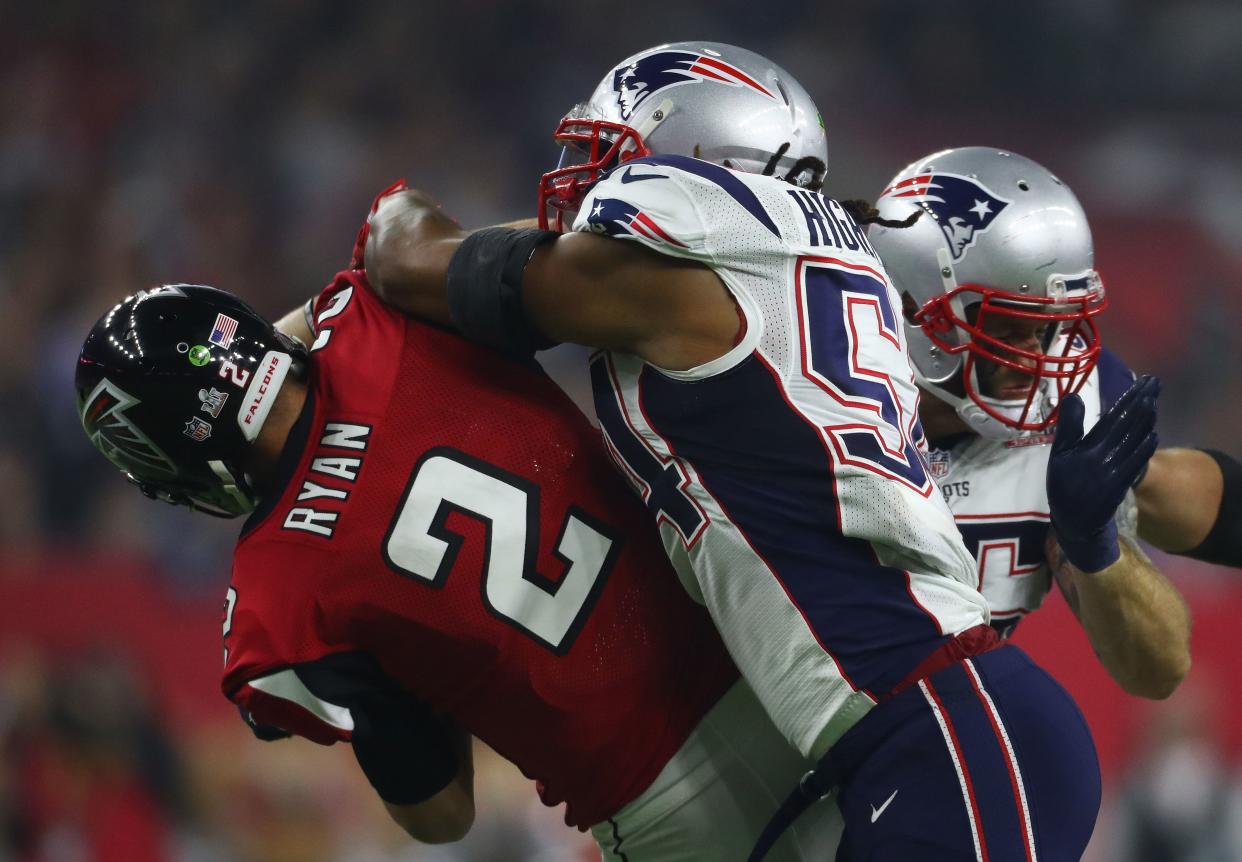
174 384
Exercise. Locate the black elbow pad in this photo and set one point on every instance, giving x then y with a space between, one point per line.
485 289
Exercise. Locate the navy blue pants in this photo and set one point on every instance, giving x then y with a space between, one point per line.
988 759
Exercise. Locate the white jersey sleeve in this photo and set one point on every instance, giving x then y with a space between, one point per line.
649 204
685 208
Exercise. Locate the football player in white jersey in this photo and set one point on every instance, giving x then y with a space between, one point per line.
1000 296
754 387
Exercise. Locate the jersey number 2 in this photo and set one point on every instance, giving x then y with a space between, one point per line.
419 545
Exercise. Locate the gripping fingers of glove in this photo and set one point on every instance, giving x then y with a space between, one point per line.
1136 409
1129 467
1140 423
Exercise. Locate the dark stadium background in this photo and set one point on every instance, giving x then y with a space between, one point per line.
239 144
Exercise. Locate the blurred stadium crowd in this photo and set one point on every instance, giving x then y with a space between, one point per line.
239 145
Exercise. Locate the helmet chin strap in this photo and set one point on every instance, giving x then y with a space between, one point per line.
985 425
233 486
979 420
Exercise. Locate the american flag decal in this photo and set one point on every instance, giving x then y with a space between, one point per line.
223 331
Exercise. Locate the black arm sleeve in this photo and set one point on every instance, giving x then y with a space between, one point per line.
485 289
406 751
1223 544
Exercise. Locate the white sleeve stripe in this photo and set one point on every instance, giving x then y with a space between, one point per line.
286 685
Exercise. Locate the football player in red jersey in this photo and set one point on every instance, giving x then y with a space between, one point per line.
437 547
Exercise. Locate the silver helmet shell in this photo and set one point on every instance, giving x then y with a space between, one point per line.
711 101
999 236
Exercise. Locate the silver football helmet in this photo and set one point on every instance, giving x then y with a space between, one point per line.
714 102
1001 242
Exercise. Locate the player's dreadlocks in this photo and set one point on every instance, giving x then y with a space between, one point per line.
813 164
863 212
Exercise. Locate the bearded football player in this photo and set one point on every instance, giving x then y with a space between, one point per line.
1001 299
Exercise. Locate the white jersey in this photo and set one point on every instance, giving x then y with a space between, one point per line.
786 475
999 497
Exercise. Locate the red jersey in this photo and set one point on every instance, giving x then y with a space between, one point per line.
449 516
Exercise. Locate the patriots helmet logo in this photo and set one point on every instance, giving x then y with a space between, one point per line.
118 438
619 218
636 82
960 205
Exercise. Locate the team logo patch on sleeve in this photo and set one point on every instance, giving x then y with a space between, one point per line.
646 76
618 218
960 205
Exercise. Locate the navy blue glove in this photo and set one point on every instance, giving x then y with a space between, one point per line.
1089 476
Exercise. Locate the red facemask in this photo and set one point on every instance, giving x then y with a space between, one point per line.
603 145
1069 350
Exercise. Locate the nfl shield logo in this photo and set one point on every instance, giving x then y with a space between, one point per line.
938 460
198 430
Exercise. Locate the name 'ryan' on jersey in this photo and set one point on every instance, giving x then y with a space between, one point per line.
786 475
448 527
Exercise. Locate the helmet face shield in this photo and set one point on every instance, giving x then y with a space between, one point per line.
1055 359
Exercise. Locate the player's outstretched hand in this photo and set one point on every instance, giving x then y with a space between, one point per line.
1088 476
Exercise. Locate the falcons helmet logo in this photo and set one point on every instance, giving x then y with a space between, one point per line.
112 432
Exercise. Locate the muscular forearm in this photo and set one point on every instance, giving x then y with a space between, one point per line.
1136 621
1178 499
1190 502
